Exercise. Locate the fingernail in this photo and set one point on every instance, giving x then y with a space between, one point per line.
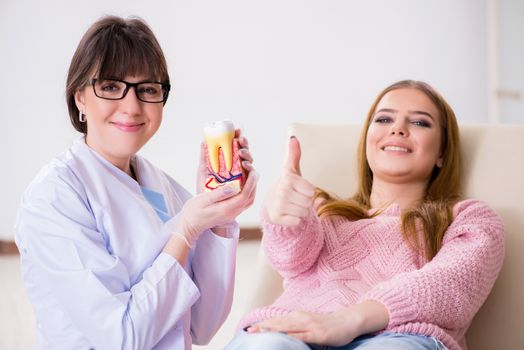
226 189
255 174
253 329
229 189
247 165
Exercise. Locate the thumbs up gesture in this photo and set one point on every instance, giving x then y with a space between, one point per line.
291 197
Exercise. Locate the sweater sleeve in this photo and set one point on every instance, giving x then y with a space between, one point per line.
451 288
292 250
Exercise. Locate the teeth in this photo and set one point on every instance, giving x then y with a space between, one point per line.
396 148
218 135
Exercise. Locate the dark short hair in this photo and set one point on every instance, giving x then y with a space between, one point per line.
114 47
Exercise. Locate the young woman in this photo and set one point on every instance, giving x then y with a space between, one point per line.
115 254
403 264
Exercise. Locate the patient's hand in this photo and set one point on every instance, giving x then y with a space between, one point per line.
290 199
334 329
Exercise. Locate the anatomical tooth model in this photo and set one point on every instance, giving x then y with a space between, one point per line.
223 163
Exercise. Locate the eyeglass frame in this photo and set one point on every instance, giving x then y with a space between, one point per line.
165 86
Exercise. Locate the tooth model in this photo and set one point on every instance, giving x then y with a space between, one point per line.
223 163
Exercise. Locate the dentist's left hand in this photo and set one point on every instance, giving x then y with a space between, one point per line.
243 153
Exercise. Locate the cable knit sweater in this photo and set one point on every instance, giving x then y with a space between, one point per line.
331 263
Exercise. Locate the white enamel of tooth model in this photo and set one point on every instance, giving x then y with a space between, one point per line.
218 135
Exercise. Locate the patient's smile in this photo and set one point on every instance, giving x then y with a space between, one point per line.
396 149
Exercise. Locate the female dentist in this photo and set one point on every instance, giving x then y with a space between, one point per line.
115 254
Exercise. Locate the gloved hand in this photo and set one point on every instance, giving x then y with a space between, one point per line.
217 208
291 197
201 212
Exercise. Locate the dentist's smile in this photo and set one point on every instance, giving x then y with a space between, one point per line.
127 127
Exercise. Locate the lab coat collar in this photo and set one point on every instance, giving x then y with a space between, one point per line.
81 148
148 176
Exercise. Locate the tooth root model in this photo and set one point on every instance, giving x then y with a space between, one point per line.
223 163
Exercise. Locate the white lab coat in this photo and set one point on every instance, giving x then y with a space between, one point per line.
90 246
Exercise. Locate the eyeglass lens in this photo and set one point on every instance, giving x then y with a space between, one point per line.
116 90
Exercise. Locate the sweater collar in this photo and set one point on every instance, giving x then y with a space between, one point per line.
392 209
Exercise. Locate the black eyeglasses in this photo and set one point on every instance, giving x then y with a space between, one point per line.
115 89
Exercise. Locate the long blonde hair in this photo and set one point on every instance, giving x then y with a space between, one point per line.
434 212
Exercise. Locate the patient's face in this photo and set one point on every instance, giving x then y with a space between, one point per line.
403 138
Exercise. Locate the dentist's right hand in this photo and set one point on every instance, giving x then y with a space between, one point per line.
208 210
291 197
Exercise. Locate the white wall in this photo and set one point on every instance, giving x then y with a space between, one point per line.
510 77
262 64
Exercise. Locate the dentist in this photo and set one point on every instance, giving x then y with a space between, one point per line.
115 254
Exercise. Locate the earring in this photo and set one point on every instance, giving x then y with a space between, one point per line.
82 117
439 162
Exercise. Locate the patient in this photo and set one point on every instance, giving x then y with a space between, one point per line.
403 264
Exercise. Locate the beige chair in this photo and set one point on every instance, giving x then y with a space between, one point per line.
493 172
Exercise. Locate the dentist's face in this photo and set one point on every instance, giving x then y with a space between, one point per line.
117 129
404 137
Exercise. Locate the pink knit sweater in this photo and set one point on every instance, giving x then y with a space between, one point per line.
330 263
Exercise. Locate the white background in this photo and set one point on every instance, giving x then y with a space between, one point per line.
262 64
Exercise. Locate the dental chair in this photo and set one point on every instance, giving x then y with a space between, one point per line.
493 170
